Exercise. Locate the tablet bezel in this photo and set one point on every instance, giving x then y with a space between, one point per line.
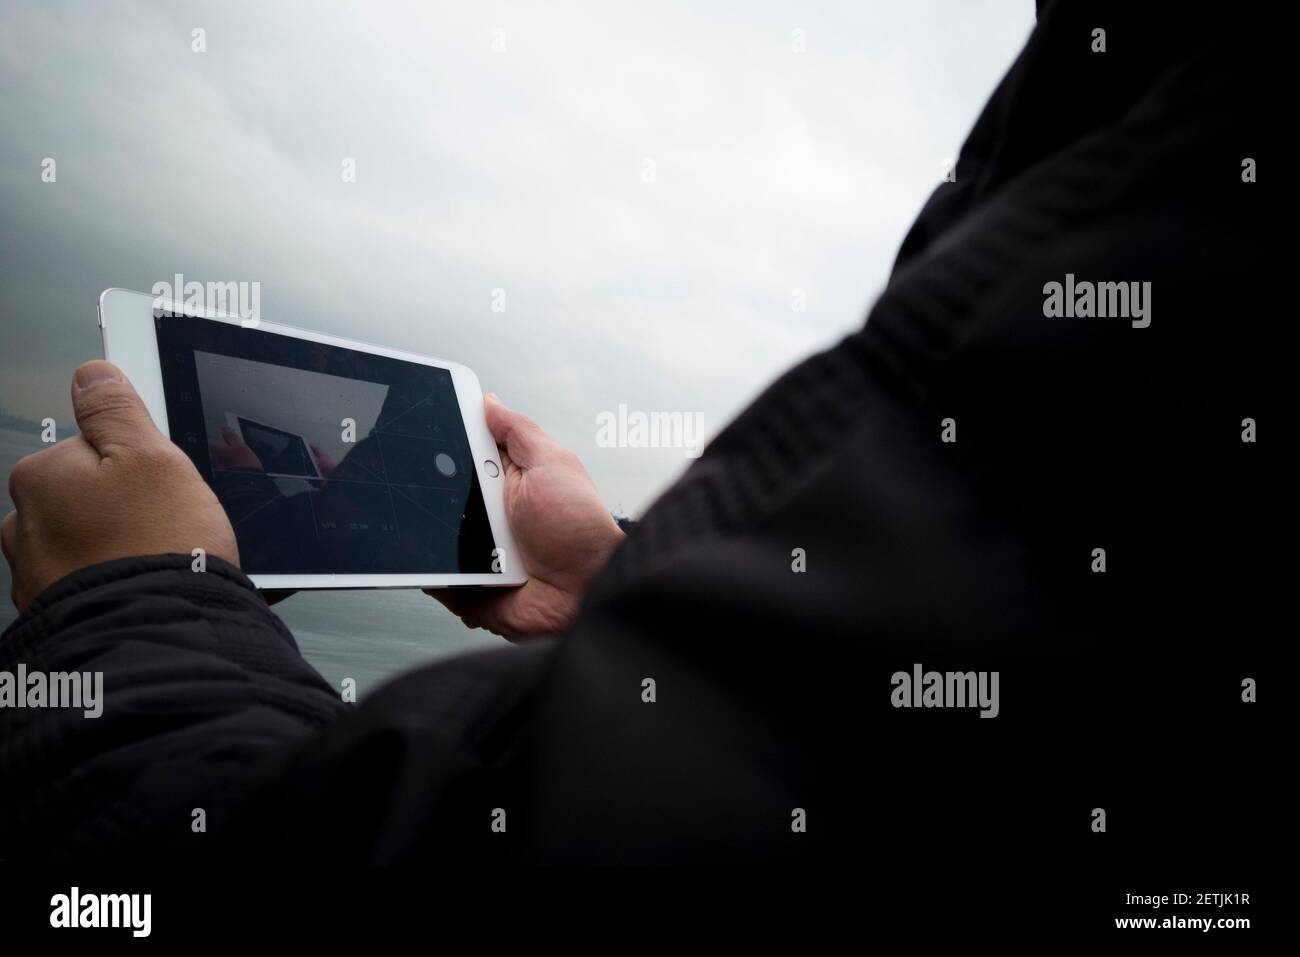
126 321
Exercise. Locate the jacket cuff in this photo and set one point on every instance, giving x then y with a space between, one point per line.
221 586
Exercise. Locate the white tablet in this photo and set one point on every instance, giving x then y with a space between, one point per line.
340 464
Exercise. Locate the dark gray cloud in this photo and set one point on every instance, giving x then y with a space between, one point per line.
476 170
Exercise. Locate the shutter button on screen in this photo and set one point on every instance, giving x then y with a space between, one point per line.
491 468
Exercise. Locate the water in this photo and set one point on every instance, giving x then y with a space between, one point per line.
368 636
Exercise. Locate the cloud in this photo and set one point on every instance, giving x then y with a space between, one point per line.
521 170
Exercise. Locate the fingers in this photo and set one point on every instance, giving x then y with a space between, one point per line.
9 545
8 533
109 412
521 437
33 472
477 607
516 614
465 604
275 596
507 464
18 590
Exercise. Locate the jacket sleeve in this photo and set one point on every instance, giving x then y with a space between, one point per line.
201 685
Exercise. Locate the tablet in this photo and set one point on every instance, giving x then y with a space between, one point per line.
281 453
340 464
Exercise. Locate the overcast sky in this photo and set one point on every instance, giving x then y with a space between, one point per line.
522 170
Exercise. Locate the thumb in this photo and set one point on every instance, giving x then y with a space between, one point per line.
521 437
109 412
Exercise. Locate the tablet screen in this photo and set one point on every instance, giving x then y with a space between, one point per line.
277 451
327 460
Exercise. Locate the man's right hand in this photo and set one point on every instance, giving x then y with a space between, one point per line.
561 527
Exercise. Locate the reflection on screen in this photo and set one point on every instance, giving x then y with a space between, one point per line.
279 452
327 460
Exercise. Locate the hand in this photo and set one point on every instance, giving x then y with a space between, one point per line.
324 464
232 453
562 529
118 489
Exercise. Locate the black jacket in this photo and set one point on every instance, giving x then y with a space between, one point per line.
773 686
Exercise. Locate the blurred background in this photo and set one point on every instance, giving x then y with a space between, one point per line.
660 206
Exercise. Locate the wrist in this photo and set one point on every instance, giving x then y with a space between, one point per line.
605 542
567 595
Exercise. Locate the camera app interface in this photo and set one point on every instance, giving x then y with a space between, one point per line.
326 459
